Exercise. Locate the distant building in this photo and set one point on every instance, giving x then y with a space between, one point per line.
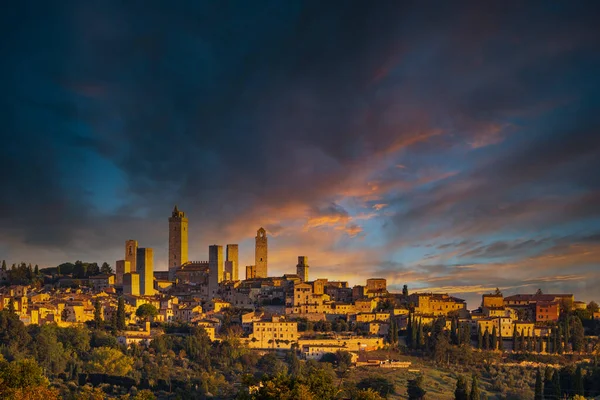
276 333
215 267
122 267
145 268
302 268
232 257
250 272
131 248
260 254
101 282
178 241
131 283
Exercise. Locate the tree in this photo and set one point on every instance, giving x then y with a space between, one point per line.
462 389
475 394
380 385
106 360
578 387
494 338
11 306
577 337
146 311
415 388
361 394
539 393
36 270
486 339
97 314
556 384
479 338
106 269
515 338
3 265
405 291
592 307
121 314
559 340
548 383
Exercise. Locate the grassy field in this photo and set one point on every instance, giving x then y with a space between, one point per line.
439 382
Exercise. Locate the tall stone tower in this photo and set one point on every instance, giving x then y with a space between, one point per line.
178 241
131 247
260 253
233 257
145 268
215 269
302 268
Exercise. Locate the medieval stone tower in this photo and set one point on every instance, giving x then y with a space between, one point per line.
131 247
302 268
232 257
178 241
260 254
215 269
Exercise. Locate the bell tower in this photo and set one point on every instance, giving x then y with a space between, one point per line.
178 241
260 254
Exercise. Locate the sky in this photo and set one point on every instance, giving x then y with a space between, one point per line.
449 146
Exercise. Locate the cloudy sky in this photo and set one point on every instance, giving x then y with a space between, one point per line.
453 146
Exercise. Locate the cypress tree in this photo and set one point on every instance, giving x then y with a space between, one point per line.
479 338
475 394
462 389
486 339
121 314
36 270
453 331
567 334
97 314
515 338
409 330
3 265
494 339
557 393
539 394
579 381
421 336
522 341
578 338
548 383
559 346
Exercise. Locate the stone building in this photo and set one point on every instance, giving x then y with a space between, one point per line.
232 257
250 272
122 267
131 283
436 304
302 268
145 268
178 241
276 333
131 248
215 269
260 254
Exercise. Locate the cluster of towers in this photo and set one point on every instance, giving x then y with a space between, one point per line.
136 271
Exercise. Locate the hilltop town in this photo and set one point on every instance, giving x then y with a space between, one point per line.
313 318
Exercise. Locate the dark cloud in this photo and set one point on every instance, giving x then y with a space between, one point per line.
393 122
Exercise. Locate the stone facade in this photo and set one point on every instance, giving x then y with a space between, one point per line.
145 268
215 266
260 254
131 284
131 248
233 257
178 241
122 267
302 268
